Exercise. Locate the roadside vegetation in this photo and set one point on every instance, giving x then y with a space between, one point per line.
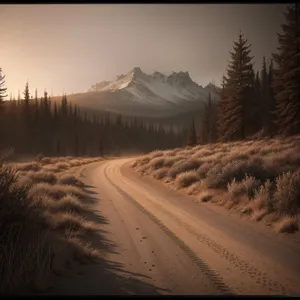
42 221
259 178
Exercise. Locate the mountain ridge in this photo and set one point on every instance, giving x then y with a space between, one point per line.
156 88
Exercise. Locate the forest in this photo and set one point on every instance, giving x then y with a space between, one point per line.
259 104
34 126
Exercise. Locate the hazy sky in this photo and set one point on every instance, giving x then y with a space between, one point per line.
67 48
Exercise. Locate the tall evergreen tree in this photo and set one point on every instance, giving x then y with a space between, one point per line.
238 93
286 80
264 99
271 97
26 94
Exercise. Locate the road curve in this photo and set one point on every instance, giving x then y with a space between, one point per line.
166 243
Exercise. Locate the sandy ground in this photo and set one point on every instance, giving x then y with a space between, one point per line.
157 241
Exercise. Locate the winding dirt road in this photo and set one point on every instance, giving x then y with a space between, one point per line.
157 241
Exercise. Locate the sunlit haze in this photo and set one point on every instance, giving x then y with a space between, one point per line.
67 48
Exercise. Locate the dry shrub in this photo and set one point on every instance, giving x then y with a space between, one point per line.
196 187
70 180
160 173
41 176
28 166
82 251
55 191
245 187
143 168
219 176
69 221
204 168
157 163
45 160
25 248
186 166
170 161
263 197
142 161
74 163
258 215
287 224
156 153
185 179
171 153
66 203
62 165
51 169
287 194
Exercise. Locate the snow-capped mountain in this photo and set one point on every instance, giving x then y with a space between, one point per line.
154 89
146 95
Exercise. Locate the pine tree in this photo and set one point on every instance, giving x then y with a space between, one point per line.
257 87
2 88
192 137
265 110
272 102
237 97
26 98
286 76
64 106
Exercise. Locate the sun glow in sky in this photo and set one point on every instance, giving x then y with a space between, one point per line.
67 48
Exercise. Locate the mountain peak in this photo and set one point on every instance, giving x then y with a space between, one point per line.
182 78
137 71
158 75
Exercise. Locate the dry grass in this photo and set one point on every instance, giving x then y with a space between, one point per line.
28 166
36 177
69 221
161 173
257 177
186 179
55 191
70 180
183 166
36 214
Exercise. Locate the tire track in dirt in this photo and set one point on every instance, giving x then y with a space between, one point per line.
210 274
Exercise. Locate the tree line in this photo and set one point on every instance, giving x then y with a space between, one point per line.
265 103
38 125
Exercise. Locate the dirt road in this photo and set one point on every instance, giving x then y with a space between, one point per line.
156 241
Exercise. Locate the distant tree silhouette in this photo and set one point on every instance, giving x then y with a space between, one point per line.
3 89
192 137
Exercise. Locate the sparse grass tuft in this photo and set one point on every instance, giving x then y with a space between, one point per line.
70 180
247 186
69 221
182 167
186 179
287 194
160 173
56 191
